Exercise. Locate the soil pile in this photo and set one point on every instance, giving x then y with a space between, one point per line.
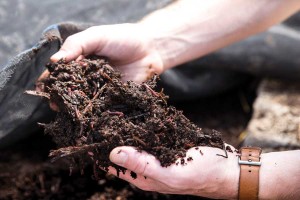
98 112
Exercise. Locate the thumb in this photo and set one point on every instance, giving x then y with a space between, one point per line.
83 43
139 162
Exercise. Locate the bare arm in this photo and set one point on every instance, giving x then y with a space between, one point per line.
280 175
189 29
185 30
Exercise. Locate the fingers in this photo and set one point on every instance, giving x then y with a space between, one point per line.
81 57
39 84
142 182
141 70
82 43
141 163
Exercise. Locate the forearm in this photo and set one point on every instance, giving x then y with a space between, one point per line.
189 29
280 175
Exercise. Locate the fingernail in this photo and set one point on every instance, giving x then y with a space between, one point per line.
119 157
59 55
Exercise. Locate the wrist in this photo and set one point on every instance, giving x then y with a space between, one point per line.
273 176
222 178
167 37
265 182
157 43
231 180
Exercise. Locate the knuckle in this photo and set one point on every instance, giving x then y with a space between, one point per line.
147 167
140 165
143 165
148 171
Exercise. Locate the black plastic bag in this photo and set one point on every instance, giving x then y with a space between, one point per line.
20 112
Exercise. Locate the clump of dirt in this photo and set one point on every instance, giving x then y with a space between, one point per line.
98 112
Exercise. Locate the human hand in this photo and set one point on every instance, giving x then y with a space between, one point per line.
206 175
129 47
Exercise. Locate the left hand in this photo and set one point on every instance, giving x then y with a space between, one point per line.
206 175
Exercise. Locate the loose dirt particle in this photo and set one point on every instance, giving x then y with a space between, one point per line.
133 175
229 149
182 161
201 152
189 159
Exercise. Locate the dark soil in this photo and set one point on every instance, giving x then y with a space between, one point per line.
99 112
26 173
22 164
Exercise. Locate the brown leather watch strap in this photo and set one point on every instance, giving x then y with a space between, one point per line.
249 174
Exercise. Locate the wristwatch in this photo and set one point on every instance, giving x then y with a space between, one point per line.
249 161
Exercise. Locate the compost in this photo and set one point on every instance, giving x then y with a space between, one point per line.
98 112
26 171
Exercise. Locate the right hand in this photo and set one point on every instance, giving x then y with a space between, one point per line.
129 48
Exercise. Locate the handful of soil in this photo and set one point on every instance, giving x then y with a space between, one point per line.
98 112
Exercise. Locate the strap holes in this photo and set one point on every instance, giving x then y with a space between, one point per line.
250 154
249 171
